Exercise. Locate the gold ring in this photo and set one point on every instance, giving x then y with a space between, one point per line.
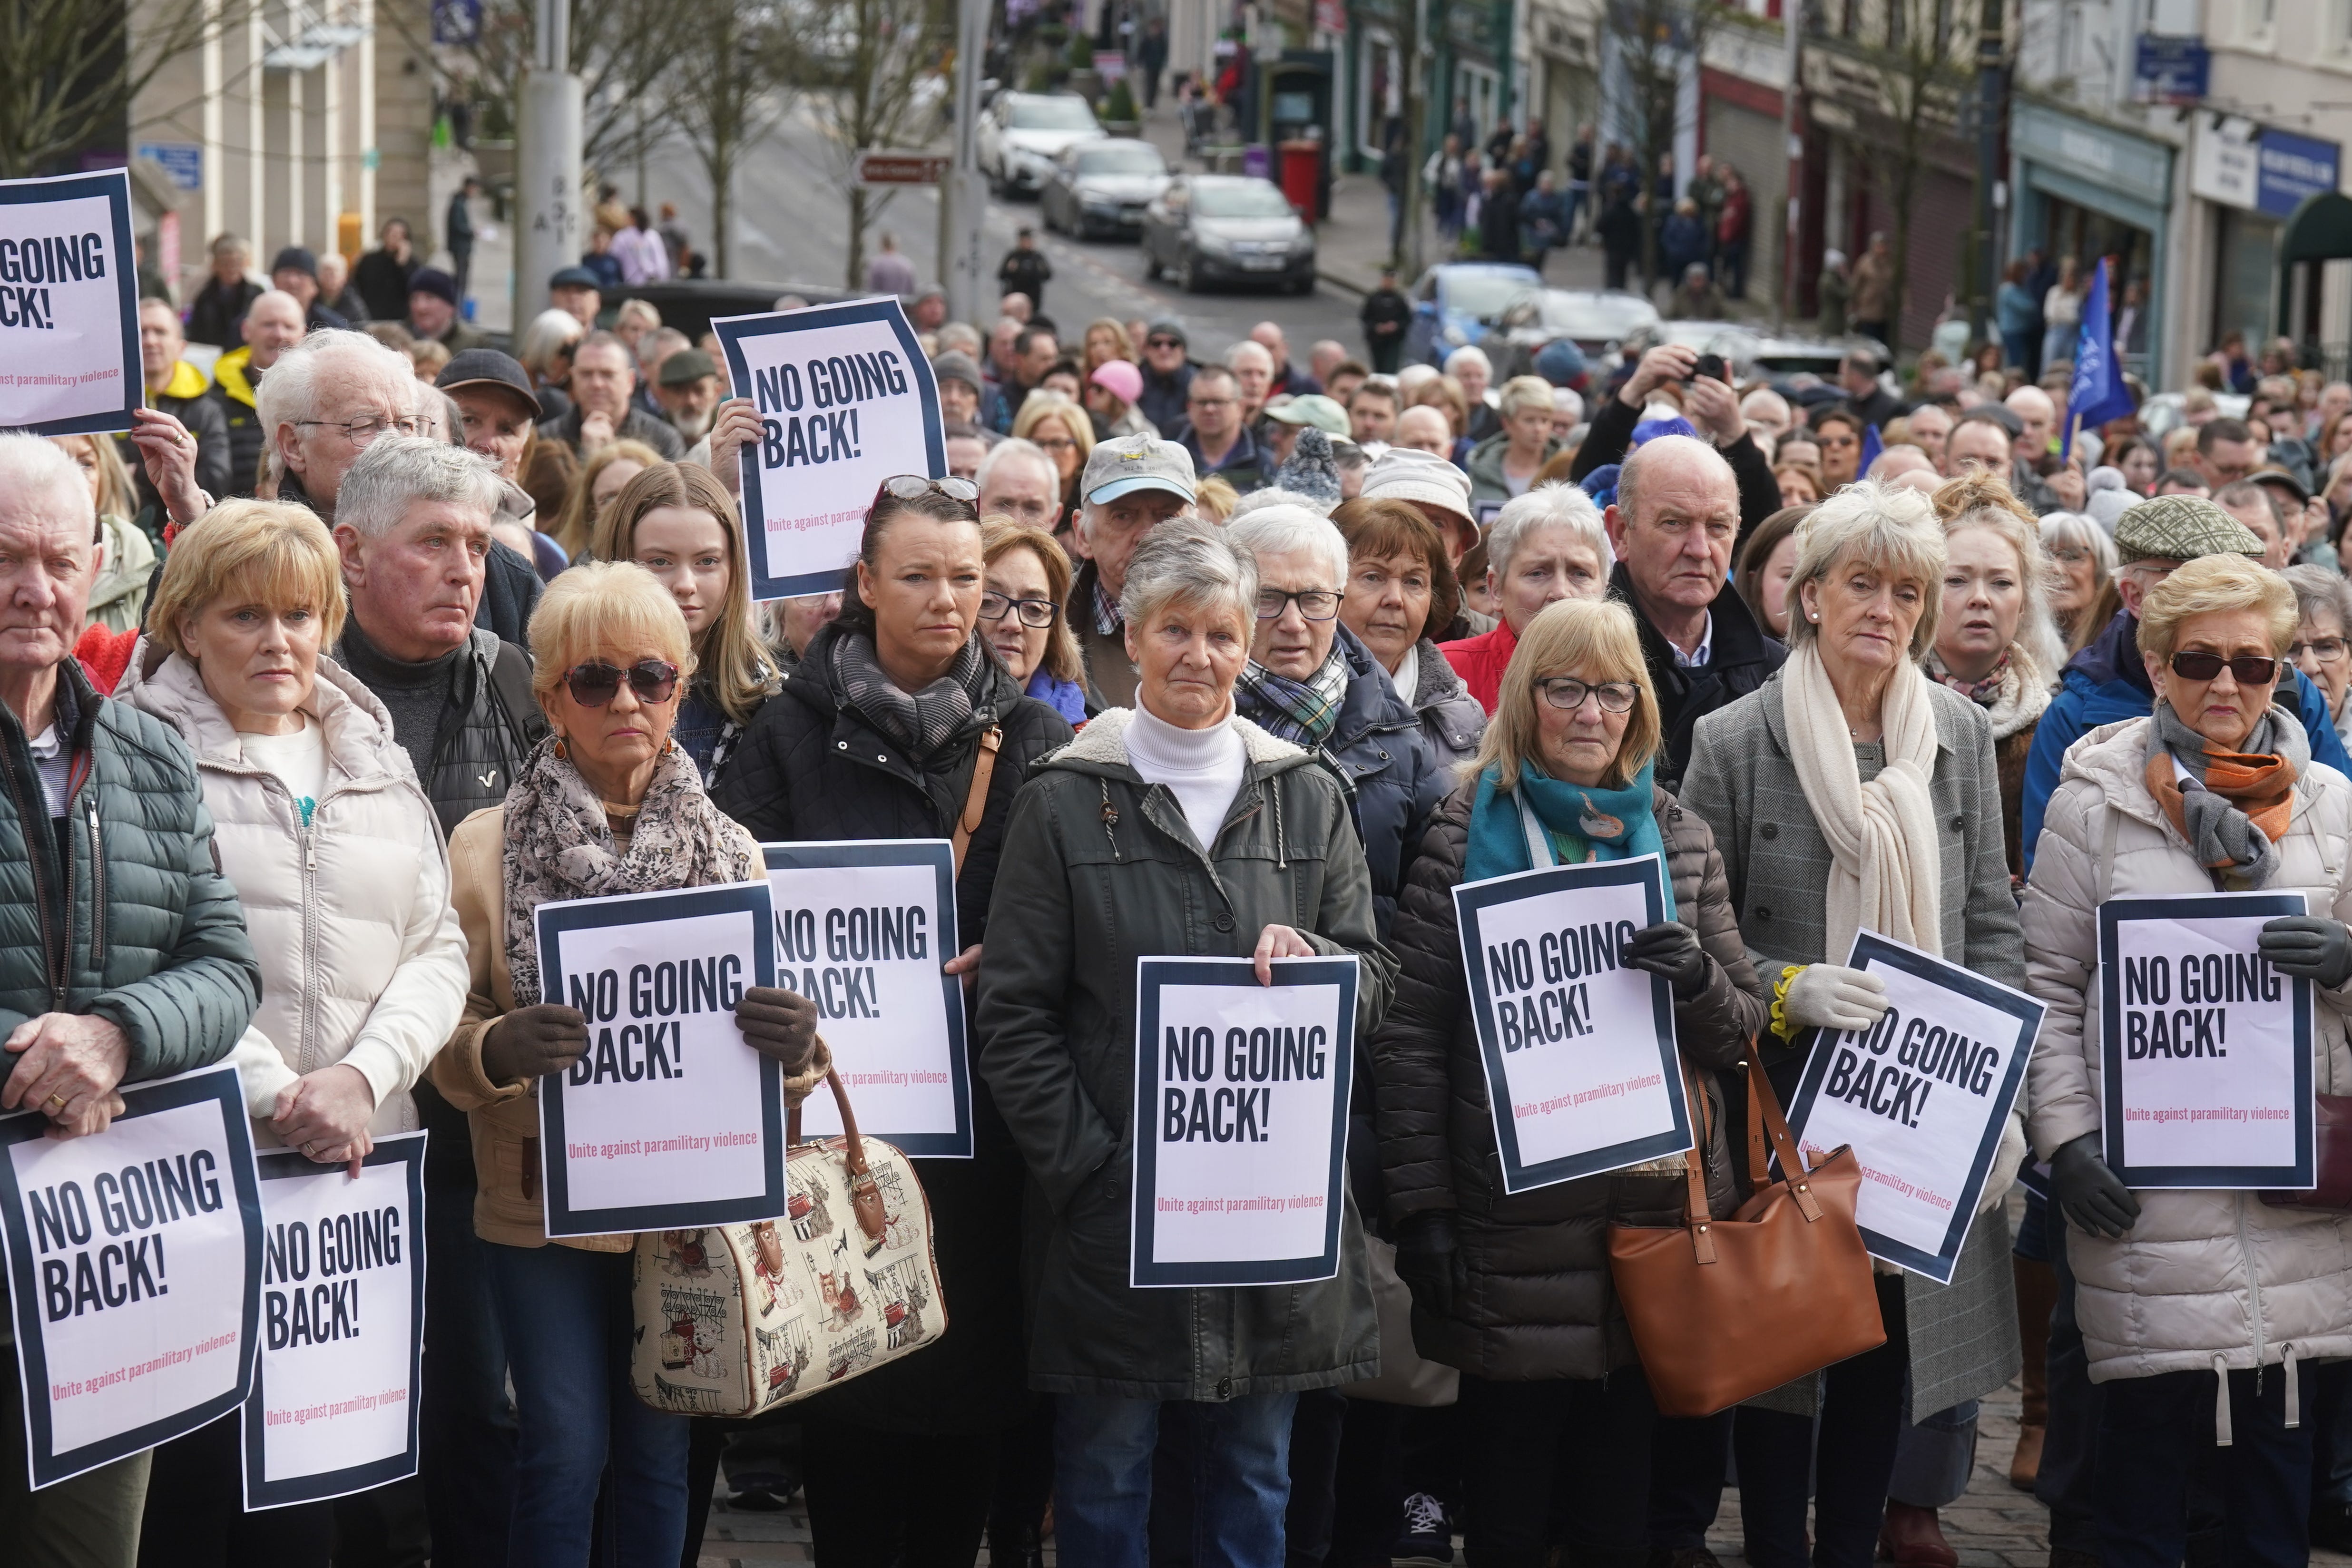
59 1101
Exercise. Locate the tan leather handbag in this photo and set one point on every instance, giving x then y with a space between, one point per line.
1724 1309
735 1320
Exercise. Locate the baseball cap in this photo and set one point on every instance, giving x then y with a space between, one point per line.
1133 463
574 278
2180 528
2283 478
489 367
1323 412
434 281
1424 478
1119 378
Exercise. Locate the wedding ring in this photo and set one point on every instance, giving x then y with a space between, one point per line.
59 1101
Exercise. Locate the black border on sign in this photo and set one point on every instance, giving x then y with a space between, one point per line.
114 184
219 1086
1471 901
733 332
1150 974
2305 1172
553 922
1870 948
940 856
407 1149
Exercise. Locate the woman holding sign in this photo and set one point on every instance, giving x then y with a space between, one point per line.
879 734
1849 793
608 805
2186 1296
1177 828
1514 1288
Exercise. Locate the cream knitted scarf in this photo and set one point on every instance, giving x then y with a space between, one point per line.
1886 871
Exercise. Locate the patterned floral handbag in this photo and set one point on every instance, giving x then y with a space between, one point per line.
735 1320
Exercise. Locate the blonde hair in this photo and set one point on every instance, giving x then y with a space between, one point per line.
1214 497
1040 406
1121 346
728 650
1000 536
1522 393
252 552
1892 527
116 498
1980 497
615 607
1594 635
575 525
2212 585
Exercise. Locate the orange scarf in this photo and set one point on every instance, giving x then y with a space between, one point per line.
2263 788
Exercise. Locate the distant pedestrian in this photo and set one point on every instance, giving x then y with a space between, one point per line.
457 233
1543 219
1580 177
1831 291
1731 234
1874 303
643 258
221 303
890 272
1621 235
1386 315
382 276
674 236
1498 218
1025 269
296 270
1151 58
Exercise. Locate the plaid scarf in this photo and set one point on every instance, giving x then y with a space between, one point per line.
1984 692
921 721
1108 622
1305 711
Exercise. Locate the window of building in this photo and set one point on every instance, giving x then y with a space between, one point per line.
2258 22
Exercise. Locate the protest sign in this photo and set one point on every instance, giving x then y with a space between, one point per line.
68 305
1582 1071
1921 1097
845 400
134 1267
862 929
668 1118
1241 1116
334 1402
2205 1049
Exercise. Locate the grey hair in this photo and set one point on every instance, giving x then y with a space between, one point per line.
1273 495
1541 505
1284 526
960 335
1469 353
1894 529
2080 530
2037 631
296 387
32 464
2317 588
1016 446
551 332
397 472
1189 561
1235 354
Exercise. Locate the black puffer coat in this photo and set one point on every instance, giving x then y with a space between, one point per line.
1539 1303
812 768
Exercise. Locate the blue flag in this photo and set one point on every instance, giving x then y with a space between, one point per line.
2098 394
1872 446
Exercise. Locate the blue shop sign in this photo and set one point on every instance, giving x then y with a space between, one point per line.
183 161
2292 168
2172 69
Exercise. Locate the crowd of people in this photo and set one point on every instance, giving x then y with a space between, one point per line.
314 686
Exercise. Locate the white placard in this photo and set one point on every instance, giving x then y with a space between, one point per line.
68 305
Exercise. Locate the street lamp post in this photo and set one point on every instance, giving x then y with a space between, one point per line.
547 174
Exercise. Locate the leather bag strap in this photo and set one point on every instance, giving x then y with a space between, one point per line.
1776 1126
864 1197
975 800
1695 1170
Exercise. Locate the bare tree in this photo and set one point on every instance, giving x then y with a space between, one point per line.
889 88
1923 57
730 82
1658 43
70 69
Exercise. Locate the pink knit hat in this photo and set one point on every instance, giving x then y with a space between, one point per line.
1119 378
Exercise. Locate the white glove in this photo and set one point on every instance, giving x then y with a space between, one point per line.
2006 1160
1831 997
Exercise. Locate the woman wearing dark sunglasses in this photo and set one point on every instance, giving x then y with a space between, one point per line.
2185 1297
880 734
608 805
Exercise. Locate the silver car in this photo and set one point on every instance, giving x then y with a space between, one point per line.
1102 187
1227 228
1022 134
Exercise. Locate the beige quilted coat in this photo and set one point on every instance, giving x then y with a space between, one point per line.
2205 1280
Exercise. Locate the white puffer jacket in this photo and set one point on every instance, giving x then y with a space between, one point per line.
362 961
2205 1280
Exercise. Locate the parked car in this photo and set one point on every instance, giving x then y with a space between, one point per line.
1456 302
1102 187
1227 228
1595 320
1749 353
1022 134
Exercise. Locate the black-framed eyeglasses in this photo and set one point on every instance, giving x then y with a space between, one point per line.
597 682
1034 613
360 432
2326 650
1314 603
1567 694
915 487
2251 668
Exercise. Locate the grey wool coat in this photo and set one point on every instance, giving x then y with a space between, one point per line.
1100 868
1743 781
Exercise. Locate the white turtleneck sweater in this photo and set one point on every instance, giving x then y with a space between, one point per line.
1201 768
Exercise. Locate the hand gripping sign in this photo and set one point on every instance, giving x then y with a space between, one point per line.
668 1118
862 931
335 1394
1582 1071
1921 1097
1240 1119
68 305
134 1266
2204 1048
845 400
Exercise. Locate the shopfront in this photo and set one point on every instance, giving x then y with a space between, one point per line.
2256 178
2089 190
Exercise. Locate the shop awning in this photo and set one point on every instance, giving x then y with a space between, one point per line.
2318 230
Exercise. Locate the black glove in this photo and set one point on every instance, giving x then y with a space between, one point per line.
780 1024
2089 1193
1429 1263
533 1042
1670 949
2308 947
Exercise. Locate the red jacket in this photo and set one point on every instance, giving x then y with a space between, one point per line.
1481 661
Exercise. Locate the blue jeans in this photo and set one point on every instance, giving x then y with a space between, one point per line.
1240 1471
565 1316
2153 1432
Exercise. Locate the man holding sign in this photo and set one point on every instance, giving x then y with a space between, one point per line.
2184 925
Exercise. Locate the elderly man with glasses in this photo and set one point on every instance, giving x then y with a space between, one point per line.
1130 487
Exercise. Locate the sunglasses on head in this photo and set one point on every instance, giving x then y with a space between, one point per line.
2251 670
596 683
915 487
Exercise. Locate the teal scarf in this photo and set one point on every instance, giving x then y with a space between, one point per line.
1582 824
